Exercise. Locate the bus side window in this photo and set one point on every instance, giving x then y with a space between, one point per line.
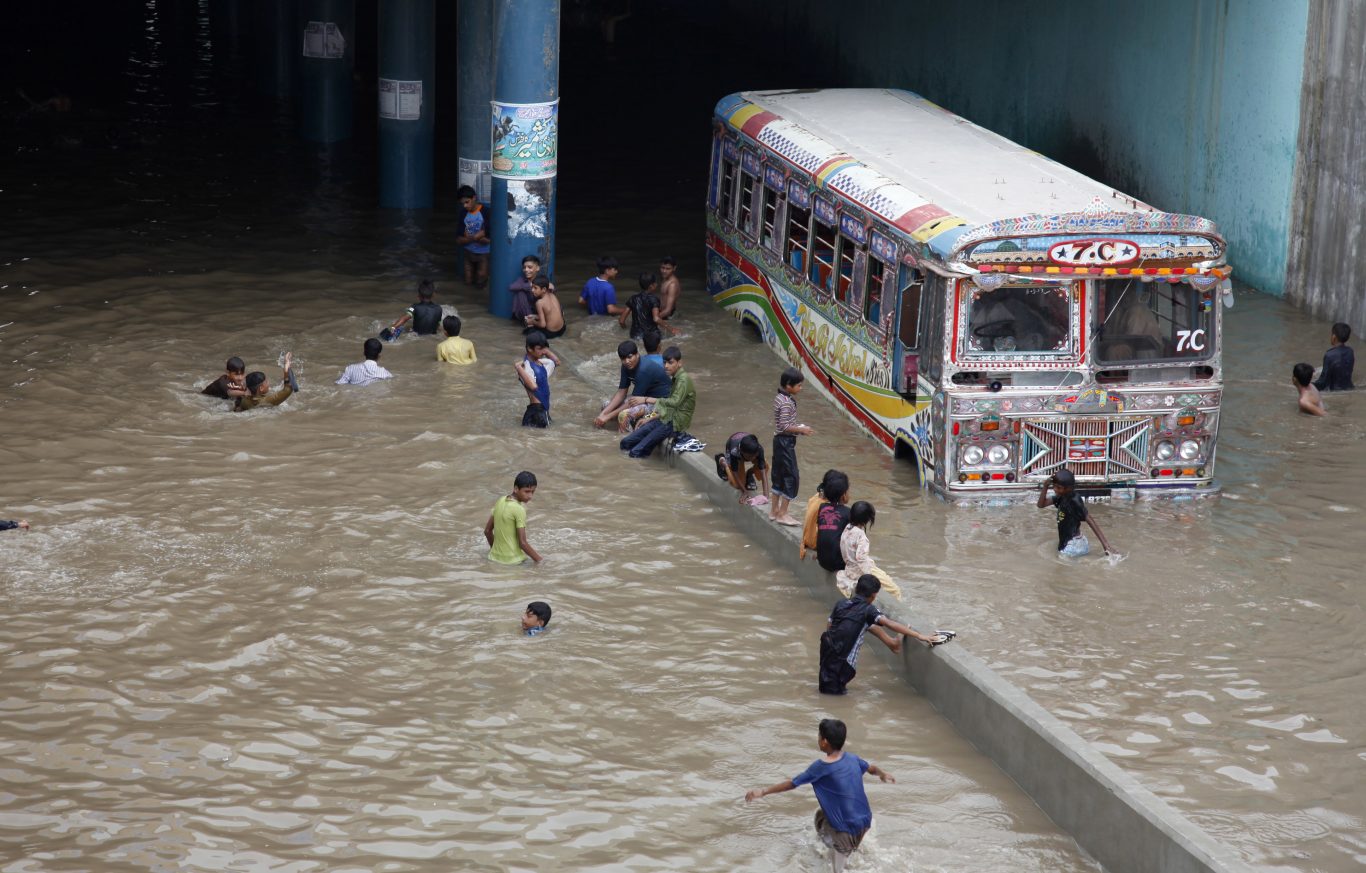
823 257
848 249
908 331
726 205
769 218
908 320
872 291
746 220
798 237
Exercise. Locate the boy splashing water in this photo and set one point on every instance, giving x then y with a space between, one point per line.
844 815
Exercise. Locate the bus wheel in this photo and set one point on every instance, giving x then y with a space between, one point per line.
904 451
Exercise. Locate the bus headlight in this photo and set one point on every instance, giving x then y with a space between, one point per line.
998 455
1190 450
972 456
1165 450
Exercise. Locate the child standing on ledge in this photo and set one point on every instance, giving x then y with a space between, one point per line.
784 473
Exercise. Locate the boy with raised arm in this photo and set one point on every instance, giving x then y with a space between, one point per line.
534 371
843 816
258 389
1072 543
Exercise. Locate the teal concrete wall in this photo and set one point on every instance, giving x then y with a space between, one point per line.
1190 105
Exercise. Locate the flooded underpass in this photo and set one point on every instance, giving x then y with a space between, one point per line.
271 641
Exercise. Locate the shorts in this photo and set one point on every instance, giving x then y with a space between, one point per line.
783 475
549 334
535 416
476 257
1076 547
845 844
836 671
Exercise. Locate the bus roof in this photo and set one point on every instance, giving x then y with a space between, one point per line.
927 171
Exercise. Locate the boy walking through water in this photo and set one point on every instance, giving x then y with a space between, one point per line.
1072 543
844 815
785 476
506 527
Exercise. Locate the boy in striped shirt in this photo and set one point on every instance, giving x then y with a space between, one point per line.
784 473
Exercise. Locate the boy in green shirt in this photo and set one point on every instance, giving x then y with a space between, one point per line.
675 411
506 527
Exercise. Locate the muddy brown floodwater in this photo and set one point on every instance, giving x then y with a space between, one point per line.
271 642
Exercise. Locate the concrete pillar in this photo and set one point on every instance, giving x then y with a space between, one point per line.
525 141
325 41
474 65
275 47
407 102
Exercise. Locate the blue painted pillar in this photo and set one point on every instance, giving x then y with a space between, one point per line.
525 143
326 42
407 102
474 68
276 46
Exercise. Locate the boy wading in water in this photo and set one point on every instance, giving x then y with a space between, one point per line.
844 632
506 527
1311 403
1072 543
837 778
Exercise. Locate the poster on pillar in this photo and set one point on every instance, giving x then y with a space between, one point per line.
525 140
400 100
528 206
323 39
477 175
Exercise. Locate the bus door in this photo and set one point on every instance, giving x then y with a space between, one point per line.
906 360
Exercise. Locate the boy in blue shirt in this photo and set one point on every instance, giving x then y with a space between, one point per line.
844 815
475 239
534 371
598 293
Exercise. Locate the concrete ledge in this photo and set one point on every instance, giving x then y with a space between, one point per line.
1123 825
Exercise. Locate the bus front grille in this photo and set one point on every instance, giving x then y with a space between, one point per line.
1094 449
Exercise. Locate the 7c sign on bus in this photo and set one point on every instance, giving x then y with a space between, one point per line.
1085 252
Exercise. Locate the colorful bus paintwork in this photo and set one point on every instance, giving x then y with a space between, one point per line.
971 304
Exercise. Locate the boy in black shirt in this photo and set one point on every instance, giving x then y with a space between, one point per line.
1072 543
831 519
424 314
1338 361
844 631
643 307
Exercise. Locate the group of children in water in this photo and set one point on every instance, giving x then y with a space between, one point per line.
1335 375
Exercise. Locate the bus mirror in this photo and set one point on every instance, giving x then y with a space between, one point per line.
994 386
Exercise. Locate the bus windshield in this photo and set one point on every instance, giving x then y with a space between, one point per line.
1017 319
1151 321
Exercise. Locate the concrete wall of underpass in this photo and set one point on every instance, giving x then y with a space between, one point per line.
1327 271
1190 105
1118 822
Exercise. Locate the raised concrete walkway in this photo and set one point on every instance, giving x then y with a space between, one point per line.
1121 824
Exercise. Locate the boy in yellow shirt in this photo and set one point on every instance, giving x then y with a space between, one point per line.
454 349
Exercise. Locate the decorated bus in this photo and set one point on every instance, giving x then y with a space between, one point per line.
974 306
